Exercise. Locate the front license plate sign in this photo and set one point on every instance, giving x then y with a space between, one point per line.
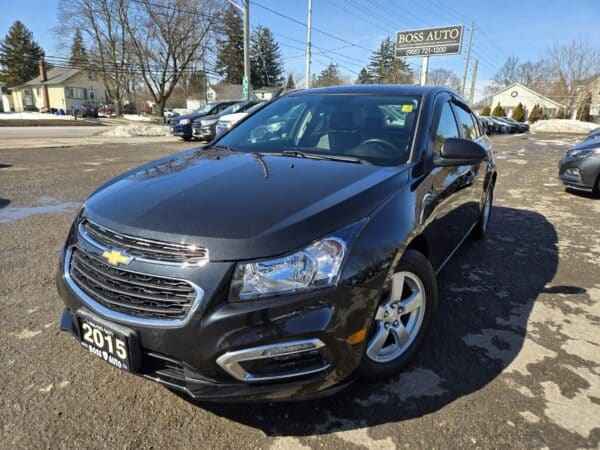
105 343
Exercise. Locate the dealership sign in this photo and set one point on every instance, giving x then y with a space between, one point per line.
429 42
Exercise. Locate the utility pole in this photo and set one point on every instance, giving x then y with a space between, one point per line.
424 69
308 29
464 83
246 12
246 82
473 77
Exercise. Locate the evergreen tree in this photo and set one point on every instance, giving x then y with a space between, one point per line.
79 57
583 112
230 47
519 113
499 111
363 77
19 56
329 76
535 113
266 64
486 110
385 68
290 83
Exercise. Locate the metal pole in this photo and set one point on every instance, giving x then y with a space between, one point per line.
464 83
424 69
308 29
246 84
473 77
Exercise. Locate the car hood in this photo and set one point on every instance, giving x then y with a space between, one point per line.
586 145
240 205
233 117
211 117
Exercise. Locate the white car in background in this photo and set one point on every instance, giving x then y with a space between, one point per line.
227 121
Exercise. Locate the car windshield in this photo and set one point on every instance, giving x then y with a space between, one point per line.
204 109
233 108
373 128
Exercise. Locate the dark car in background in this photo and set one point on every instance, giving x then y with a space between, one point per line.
297 252
83 110
181 126
580 167
488 125
500 126
205 128
594 134
521 127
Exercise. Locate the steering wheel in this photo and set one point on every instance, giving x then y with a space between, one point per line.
382 142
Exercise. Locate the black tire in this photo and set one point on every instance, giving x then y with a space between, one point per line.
186 138
480 230
414 262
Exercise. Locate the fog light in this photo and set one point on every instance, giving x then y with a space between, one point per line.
287 349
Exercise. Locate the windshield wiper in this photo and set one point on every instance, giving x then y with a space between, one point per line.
343 158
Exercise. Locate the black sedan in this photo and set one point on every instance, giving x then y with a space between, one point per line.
297 252
580 167
205 128
181 126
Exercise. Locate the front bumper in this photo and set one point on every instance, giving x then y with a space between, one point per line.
204 133
579 173
184 357
183 131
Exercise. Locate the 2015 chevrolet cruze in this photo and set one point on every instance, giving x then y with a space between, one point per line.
297 251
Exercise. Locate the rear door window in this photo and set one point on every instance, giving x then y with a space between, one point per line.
465 122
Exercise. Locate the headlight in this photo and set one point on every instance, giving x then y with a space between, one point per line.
185 121
584 153
313 267
207 123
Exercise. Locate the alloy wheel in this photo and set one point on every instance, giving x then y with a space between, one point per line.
398 319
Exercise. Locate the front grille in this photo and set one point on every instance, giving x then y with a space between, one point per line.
161 251
128 292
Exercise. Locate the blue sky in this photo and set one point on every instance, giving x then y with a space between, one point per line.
523 28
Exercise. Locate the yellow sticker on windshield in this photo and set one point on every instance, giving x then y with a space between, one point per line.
407 108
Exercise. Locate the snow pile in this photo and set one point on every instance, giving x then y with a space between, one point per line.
32 116
564 126
138 118
135 131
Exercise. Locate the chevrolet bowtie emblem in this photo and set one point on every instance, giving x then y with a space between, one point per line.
115 257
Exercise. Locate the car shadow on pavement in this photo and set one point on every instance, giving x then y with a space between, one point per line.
4 202
487 292
583 194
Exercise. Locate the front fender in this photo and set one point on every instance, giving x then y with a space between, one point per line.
379 246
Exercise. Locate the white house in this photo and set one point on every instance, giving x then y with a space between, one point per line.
516 93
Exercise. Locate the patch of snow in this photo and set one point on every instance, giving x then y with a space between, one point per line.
135 130
564 126
32 116
138 118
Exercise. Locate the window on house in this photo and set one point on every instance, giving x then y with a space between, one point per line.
76 93
27 92
92 76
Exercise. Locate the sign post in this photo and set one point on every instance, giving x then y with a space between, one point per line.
426 42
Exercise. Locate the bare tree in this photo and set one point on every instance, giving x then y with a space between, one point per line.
167 38
444 77
107 40
572 65
508 72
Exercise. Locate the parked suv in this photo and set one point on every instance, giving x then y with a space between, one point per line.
181 126
298 251
205 128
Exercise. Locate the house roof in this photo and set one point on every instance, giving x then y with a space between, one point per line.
55 75
512 86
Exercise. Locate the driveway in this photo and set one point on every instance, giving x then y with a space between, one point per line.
513 360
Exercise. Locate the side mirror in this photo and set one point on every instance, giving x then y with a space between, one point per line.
460 152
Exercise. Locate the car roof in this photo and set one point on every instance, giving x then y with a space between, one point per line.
375 89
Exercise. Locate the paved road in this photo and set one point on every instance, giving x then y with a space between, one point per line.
50 132
513 360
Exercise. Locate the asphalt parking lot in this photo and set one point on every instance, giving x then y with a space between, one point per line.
513 359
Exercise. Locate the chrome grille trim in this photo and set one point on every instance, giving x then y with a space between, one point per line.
142 249
122 317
